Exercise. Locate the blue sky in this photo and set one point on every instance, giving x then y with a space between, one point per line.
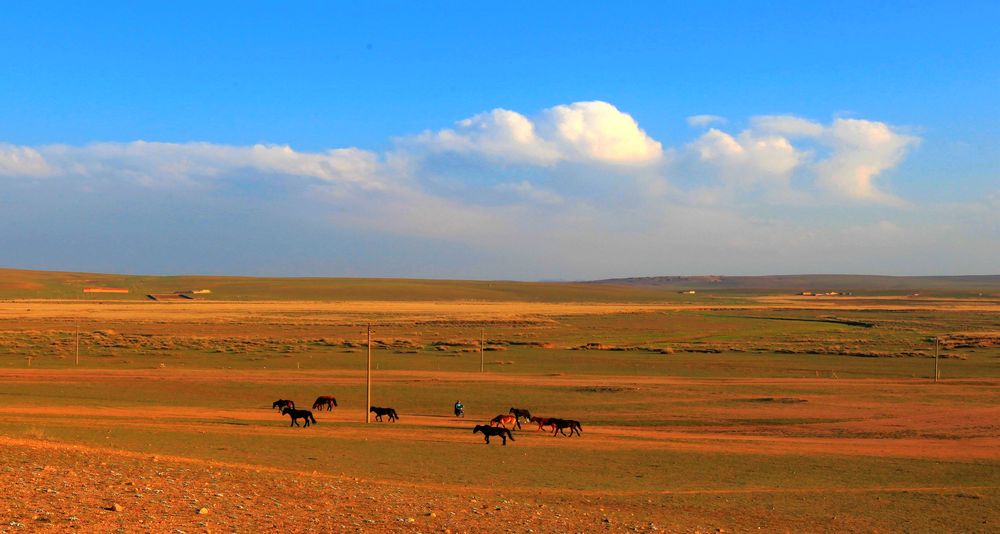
851 137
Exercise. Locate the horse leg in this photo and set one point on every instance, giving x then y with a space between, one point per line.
487 436
504 438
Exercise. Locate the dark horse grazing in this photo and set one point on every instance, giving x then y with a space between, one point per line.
379 412
325 400
281 403
298 414
519 413
562 424
488 431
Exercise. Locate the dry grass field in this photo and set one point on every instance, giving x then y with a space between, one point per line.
715 412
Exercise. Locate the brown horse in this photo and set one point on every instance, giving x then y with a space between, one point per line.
281 403
542 422
504 420
325 400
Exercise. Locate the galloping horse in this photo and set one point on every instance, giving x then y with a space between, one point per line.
519 413
298 414
281 403
504 420
493 431
379 412
325 400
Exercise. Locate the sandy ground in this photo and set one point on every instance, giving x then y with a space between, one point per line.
56 486
59 486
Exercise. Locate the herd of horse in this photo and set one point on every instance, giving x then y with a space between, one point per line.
287 407
513 418
497 427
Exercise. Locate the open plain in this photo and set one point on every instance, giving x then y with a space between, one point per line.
710 412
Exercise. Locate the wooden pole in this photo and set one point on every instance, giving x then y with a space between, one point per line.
936 351
368 378
78 342
482 350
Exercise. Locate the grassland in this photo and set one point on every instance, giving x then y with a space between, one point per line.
734 411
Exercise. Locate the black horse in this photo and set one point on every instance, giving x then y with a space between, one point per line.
561 424
379 412
488 431
281 403
298 414
519 413
325 400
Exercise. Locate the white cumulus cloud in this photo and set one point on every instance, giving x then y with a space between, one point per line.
22 161
748 158
582 131
861 151
599 131
842 159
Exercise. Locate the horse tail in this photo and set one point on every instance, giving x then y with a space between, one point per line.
334 400
313 419
393 412
509 435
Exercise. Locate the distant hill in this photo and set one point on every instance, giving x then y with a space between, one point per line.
28 284
814 282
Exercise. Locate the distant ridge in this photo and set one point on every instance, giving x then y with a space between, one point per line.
814 282
28 284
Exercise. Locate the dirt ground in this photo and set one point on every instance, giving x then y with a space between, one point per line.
51 483
840 445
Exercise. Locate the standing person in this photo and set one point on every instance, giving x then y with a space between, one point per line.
459 409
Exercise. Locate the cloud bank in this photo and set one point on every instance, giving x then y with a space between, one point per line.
573 191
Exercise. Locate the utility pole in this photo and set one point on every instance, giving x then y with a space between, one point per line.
368 378
482 350
936 351
78 342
